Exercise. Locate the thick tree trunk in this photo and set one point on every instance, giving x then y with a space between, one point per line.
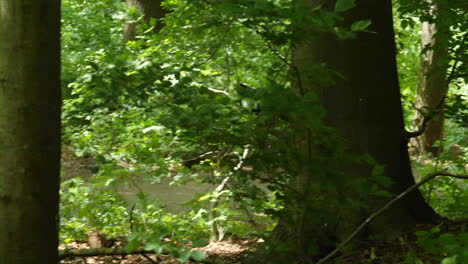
431 89
365 109
149 9
29 130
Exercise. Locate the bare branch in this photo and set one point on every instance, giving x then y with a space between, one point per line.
420 131
427 118
219 91
385 207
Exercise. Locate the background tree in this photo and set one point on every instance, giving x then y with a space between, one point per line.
362 103
441 66
29 130
149 9
432 83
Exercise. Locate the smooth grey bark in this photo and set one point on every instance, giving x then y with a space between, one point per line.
149 9
365 109
431 89
29 130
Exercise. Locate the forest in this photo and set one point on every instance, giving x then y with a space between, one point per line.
234 131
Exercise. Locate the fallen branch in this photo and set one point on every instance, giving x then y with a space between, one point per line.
385 207
93 252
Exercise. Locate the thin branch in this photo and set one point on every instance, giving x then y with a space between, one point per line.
199 157
385 207
241 159
427 118
213 53
131 217
221 187
421 129
455 64
148 258
279 184
219 91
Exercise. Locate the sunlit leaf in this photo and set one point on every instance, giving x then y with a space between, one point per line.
198 255
360 25
343 5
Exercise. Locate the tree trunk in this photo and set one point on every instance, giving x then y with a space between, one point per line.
29 130
431 89
364 108
149 9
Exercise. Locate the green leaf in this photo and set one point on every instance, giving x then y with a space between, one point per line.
156 247
200 243
421 233
450 260
360 25
198 255
382 193
205 197
248 103
133 243
435 230
343 5
184 255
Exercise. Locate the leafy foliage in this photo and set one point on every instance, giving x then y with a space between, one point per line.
452 246
214 84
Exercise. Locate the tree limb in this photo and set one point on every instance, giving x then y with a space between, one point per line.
385 207
420 131
427 118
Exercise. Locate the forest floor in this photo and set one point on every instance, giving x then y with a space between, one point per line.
238 250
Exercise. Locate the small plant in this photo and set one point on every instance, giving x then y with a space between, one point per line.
447 248
91 206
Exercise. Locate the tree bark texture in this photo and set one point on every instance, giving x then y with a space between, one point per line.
431 88
149 9
29 130
364 108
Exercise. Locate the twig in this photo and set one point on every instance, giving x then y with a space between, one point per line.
385 207
218 91
148 258
198 158
427 118
455 64
221 187
279 184
241 159
420 131
131 217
